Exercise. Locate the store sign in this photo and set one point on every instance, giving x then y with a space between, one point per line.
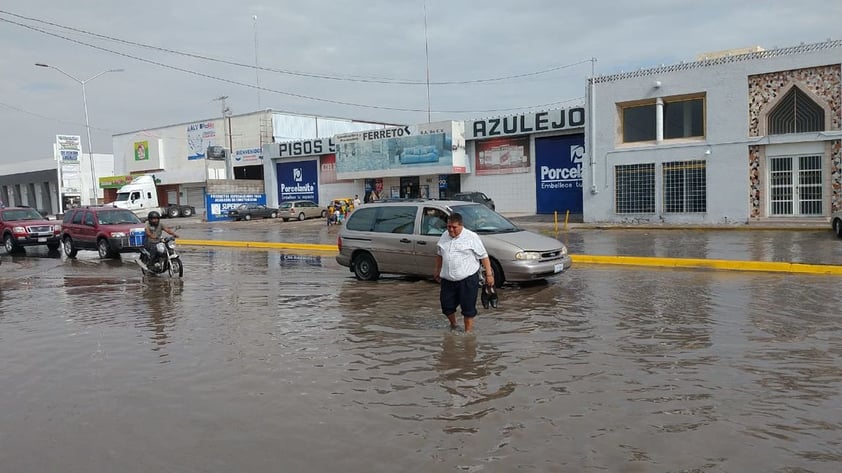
69 148
298 181
114 182
558 173
248 155
524 124
294 149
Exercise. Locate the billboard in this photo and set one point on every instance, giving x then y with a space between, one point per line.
298 180
431 148
218 205
199 137
502 156
68 150
558 173
526 123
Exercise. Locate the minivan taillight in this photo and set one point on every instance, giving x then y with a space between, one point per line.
339 243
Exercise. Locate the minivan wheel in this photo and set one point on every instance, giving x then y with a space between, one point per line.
365 268
69 250
499 277
837 227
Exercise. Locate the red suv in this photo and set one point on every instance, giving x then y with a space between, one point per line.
24 226
108 230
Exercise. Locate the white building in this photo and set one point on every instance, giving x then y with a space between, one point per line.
35 183
177 154
731 139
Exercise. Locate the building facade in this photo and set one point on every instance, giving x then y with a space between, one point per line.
726 140
185 157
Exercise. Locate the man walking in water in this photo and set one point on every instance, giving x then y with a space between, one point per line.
459 253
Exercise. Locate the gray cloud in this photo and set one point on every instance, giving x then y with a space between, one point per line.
379 38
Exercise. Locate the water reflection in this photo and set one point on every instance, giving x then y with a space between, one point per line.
162 298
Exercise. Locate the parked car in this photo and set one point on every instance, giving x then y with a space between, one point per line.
478 197
24 226
301 209
836 223
250 211
401 238
106 230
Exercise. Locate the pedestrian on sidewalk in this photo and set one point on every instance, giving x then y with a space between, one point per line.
459 253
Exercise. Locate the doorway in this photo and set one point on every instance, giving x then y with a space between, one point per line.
795 186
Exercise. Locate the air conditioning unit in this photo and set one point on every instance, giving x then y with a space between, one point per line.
217 153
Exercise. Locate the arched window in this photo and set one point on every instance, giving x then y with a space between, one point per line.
796 113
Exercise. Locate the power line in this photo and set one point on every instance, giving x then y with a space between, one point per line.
351 78
280 92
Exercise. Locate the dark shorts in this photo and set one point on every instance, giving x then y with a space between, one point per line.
460 294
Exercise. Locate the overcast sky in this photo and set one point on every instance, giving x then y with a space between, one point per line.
382 40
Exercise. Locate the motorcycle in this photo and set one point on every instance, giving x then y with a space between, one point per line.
168 260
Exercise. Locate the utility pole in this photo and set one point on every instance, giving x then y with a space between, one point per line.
226 136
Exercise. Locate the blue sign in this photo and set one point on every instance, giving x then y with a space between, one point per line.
218 205
558 173
298 181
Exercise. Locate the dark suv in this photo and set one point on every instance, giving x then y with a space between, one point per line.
24 226
108 230
477 197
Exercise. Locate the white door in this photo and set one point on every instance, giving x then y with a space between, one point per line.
795 186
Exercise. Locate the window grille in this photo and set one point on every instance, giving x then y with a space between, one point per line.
685 186
635 188
796 113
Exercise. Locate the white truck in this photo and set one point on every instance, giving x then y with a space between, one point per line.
141 197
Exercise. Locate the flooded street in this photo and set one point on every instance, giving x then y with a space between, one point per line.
264 361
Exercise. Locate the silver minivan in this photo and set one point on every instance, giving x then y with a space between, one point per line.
400 238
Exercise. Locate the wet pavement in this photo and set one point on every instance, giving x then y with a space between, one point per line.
271 361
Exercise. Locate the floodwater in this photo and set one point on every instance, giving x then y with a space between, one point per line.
263 361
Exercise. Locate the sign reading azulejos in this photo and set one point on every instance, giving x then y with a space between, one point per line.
526 123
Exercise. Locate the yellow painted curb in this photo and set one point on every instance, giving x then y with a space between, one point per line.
720 264
266 245
733 265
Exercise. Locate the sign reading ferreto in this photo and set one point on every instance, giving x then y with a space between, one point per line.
524 124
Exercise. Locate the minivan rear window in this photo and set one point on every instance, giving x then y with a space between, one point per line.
391 219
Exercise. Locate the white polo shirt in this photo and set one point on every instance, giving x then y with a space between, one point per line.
460 255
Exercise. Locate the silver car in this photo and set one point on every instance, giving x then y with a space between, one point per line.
300 209
401 237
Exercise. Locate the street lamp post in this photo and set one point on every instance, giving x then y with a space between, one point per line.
87 123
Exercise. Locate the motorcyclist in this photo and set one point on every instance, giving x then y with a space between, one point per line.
154 230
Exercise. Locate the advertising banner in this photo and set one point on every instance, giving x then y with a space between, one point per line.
431 148
502 156
298 180
199 137
558 173
141 151
218 205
